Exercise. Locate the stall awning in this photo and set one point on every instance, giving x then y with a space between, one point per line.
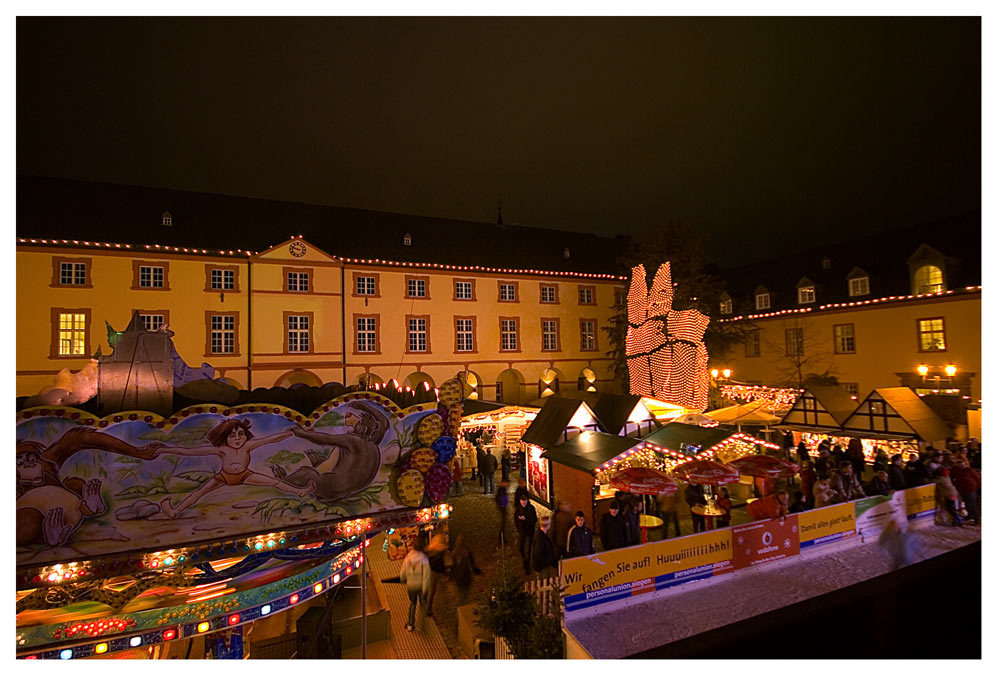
589 450
614 410
753 413
819 408
548 428
689 439
478 406
896 413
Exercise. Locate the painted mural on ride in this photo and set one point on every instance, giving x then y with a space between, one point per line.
90 486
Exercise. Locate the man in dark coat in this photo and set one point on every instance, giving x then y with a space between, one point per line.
580 538
694 496
489 466
480 457
544 556
895 474
525 518
611 528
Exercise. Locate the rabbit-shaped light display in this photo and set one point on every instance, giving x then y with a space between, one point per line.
666 356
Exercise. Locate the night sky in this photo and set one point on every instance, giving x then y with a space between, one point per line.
765 133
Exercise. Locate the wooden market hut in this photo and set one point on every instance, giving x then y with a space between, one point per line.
819 409
573 464
897 413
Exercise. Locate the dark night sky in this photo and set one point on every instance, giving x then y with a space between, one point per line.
763 132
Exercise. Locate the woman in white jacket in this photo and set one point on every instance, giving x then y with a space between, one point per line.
416 575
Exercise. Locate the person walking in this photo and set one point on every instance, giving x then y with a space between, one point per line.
545 559
415 574
488 468
967 481
480 463
462 569
807 478
845 483
724 503
506 463
854 454
580 537
521 465
526 523
895 474
610 528
457 480
668 510
946 494
437 553
562 523
694 496
502 503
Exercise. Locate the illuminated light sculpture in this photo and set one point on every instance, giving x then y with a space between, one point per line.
666 355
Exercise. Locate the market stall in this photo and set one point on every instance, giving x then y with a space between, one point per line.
894 419
497 425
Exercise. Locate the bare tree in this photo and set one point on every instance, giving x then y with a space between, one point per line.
802 357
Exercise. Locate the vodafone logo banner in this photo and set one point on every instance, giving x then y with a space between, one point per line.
765 541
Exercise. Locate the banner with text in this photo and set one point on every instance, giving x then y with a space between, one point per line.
920 502
620 573
875 512
765 541
826 525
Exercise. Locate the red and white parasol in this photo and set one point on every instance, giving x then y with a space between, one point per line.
765 466
643 480
707 472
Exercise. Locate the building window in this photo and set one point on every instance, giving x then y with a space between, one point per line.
367 284
297 281
146 275
70 339
845 338
407 239
367 334
71 271
166 218
805 294
222 334
415 287
795 342
726 307
464 289
860 286
929 279
587 330
762 301
851 388
464 334
508 338
619 298
932 335
498 390
507 292
298 330
418 341
549 293
152 322
222 279
549 335
752 344
72 274
587 295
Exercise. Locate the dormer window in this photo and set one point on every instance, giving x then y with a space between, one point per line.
805 294
407 240
859 282
929 279
166 218
726 307
762 300
826 263
567 253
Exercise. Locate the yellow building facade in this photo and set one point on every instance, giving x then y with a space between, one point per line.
882 342
297 314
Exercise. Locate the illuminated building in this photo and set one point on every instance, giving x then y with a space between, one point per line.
274 293
893 309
